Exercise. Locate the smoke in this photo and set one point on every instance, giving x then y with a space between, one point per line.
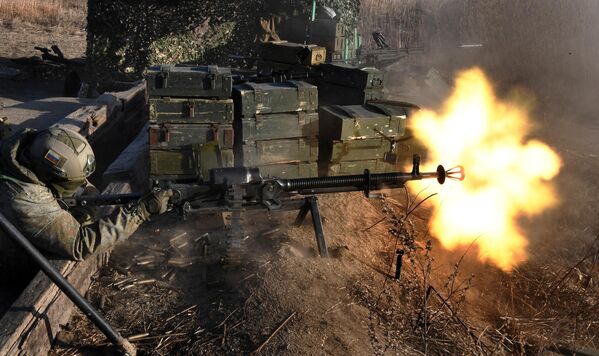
547 46
541 52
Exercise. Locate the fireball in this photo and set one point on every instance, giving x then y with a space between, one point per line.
508 175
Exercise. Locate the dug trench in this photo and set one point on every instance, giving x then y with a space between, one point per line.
284 299
152 289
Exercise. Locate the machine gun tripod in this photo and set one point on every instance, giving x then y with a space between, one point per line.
242 189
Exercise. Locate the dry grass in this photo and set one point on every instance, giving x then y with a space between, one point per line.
64 13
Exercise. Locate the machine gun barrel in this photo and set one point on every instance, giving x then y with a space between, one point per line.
367 181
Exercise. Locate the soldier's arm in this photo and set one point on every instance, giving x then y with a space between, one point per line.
81 241
55 230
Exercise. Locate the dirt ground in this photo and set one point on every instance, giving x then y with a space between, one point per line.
18 39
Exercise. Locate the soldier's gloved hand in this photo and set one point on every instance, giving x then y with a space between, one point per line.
157 202
86 215
87 191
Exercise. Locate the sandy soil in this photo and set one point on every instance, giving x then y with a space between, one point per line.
17 39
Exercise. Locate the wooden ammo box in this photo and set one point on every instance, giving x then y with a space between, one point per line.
257 153
351 76
276 126
290 170
332 94
293 53
177 135
358 167
198 82
192 162
361 121
355 150
190 110
327 33
252 99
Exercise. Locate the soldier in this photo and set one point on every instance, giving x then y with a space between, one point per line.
37 169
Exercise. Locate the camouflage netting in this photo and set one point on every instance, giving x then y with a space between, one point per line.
125 36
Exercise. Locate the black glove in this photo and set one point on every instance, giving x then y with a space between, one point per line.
157 201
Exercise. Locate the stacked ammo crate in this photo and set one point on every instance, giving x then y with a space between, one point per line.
341 42
281 56
345 84
276 128
191 121
358 137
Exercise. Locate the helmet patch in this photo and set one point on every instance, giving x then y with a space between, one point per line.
53 157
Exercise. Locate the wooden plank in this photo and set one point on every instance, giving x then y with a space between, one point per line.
43 113
32 322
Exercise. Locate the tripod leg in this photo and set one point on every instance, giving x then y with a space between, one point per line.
301 216
318 229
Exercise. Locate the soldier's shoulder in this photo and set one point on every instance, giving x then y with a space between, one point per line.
23 191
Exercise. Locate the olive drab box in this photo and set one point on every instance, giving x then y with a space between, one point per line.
257 153
358 167
357 137
355 150
351 76
292 53
290 170
327 33
177 135
190 110
276 126
188 163
362 122
333 94
252 99
197 82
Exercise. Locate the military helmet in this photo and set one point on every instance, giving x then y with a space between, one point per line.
61 157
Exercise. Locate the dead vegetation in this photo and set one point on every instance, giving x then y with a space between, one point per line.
64 13
286 300
25 24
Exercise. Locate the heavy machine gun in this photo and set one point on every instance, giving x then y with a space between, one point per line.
239 189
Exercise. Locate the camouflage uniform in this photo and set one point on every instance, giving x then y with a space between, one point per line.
34 209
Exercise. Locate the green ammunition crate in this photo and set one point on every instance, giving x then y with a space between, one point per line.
171 135
358 167
257 153
190 110
276 126
362 121
186 81
266 68
351 76
290 170
188 163
325 32
252 99
292 53
354 150
332 94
